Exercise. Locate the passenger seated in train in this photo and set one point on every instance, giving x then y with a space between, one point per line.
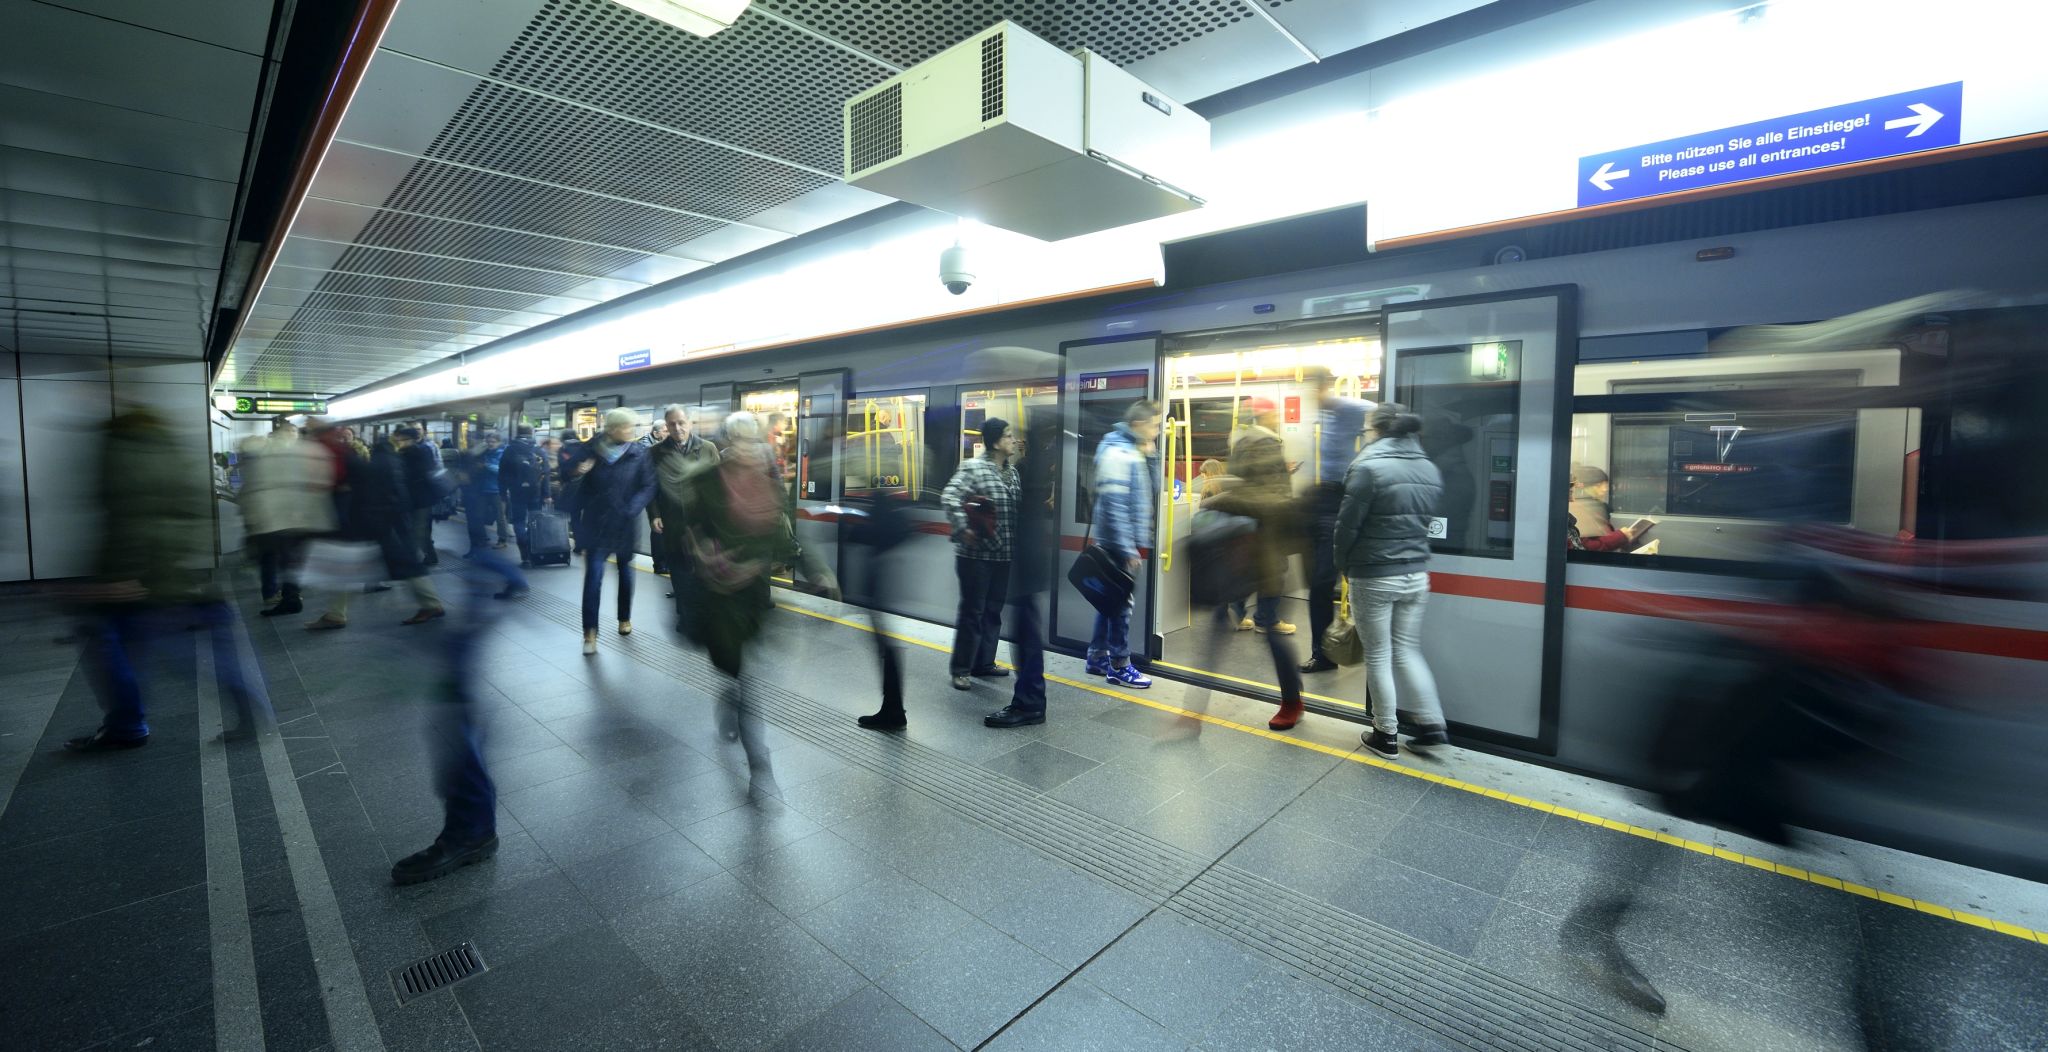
1591 529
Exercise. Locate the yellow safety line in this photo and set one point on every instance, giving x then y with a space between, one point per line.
1355 756
1256 683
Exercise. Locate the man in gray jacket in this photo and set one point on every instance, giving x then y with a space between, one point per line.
1391 493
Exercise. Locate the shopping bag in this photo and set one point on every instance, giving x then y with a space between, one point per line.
342 564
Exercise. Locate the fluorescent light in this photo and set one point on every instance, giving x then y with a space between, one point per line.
702 17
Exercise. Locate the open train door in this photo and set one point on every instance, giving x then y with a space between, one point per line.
820 415
1099 379
1484 373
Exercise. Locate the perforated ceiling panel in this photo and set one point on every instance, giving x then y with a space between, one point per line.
599 152
1122 31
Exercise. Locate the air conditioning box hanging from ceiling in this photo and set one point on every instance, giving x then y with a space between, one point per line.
1008 130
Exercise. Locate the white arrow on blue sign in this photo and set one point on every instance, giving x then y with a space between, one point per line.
1908 122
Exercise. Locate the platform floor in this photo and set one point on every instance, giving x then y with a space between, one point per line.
1146 870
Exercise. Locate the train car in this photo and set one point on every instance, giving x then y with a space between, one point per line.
1716 398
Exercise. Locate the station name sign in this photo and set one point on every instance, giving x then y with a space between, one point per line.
1893 125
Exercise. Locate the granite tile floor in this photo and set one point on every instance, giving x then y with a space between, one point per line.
1054 887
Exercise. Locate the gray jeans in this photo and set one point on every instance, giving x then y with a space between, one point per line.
1388 611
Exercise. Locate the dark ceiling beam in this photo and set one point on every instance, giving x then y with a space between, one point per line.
318 55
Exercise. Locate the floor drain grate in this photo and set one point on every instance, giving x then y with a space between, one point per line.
442 969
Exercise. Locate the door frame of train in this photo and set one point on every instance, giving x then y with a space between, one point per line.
1566 356
710 394
1070 398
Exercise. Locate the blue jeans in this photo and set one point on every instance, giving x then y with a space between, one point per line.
118 642
978 624
519 511
593 585
1265 610
479 510
1112 638
469 799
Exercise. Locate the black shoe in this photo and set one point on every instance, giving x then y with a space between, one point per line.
991 672
1428 737
885 720
371 589
440 859
962 683
98 741
1387 746
511 593
670 595
1012 716
1319 664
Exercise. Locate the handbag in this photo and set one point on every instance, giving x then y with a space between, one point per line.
1341 643
1101 579
331 563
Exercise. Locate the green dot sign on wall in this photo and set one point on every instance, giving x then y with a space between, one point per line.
245 405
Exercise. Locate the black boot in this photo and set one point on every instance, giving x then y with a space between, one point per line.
290 604
889 718
440 859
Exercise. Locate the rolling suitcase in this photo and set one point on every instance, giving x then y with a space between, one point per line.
548 539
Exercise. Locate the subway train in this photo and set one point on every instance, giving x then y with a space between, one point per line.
1722 398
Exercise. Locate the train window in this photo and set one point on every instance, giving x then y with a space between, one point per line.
1011 402
1104 398
1707 457
885 445
1467 397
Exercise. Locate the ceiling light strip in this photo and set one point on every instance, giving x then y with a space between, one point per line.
827 39
459 259
513 230
394 347
1258 8
564 187
602 111
454 285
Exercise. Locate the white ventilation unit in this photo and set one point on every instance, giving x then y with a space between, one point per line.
1008 130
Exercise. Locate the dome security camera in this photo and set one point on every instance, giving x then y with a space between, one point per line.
954 271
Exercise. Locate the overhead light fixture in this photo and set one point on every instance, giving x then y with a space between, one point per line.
702 17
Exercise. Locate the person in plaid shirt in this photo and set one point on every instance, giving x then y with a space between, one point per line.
981 503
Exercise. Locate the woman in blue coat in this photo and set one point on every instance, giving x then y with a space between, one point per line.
614 484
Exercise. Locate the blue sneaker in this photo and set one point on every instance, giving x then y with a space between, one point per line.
1128 676
1098 666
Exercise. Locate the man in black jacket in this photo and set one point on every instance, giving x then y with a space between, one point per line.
520 477
423 482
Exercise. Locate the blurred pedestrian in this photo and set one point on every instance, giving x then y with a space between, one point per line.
981 504
657 433
1341 423
614 486
738 530
469 824
1033 541
377 507
1264 494
1390 494
286 500
151 573
1122 525
1258 460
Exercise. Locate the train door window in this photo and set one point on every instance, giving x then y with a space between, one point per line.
1214 382
1103 400
1010 402
776 404
1467 397
583 421
885 445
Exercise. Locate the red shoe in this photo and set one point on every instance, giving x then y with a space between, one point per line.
1287 717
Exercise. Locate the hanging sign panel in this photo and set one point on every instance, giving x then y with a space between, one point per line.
1908 122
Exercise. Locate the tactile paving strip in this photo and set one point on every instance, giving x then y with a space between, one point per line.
1402 975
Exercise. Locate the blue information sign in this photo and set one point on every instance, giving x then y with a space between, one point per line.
1908 122
635 359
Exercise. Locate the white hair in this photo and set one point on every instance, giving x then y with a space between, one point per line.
621 417
675 407
743 427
